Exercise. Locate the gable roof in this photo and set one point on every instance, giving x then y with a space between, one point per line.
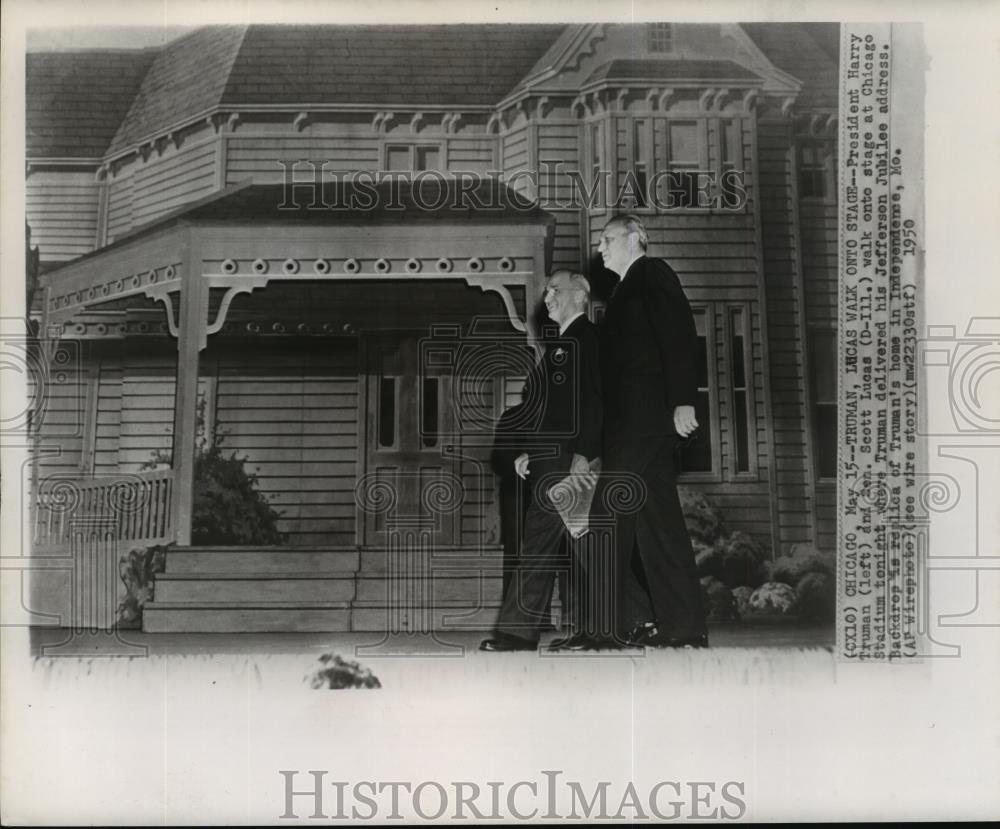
446 65
317 65
187 78
88 103
75 100
794 49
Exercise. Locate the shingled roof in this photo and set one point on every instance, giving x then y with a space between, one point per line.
316 65
84 104
75 100
188 77
796 50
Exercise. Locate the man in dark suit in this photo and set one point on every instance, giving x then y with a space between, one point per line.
563 394
649 351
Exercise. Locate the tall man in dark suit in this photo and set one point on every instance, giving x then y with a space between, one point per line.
564 391
649 351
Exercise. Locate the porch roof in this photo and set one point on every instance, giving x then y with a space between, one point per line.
244 237
343 203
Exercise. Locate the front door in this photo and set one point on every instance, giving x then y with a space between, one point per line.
411 478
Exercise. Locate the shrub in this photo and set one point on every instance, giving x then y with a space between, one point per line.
138 569
704 523
817 596
802 559
228 508
741 595
740 560
718 598
773 598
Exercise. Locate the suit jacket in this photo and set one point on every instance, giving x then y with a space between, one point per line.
649 352
561 412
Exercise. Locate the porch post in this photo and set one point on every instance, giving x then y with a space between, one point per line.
191 335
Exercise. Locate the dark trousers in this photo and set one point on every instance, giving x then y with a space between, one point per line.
655 571
546 553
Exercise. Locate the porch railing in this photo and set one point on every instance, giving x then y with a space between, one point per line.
136 507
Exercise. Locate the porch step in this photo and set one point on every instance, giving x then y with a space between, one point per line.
262 587
246 617
262 560
309 589
312 617
252 587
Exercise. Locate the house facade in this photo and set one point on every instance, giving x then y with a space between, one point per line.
328 243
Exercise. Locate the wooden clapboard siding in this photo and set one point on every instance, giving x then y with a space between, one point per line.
818 240
515 156
818 228
108 427
121 189
265 159
826 515
61 209
471 154
62 418
480 515
559 155
147 408
164 183
785 334
292 413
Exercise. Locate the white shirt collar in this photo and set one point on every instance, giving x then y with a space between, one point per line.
569 322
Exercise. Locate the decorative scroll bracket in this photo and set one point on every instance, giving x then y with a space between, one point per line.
161 293
246 285
490 283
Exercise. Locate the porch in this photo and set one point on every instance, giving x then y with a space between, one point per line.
345 355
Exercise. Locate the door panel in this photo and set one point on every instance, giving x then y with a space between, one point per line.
411 483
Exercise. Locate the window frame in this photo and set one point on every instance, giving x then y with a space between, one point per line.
655 127
390 143
714 475
753 472
814 332
827 150
653 30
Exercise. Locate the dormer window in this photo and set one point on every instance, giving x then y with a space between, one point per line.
660 37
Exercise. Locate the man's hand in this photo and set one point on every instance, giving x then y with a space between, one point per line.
684 420
521 465
580 475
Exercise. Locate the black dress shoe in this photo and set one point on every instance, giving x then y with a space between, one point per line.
503 642
644 633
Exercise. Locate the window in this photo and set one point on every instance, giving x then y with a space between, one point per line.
387 412
406 158
429 427
696 454
740 379
730 145
725 396
823 389
596 153
640 160
660 37
683 156
815 159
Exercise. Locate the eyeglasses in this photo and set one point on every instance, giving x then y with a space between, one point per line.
607 240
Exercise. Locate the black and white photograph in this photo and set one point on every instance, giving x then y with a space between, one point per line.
457 413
